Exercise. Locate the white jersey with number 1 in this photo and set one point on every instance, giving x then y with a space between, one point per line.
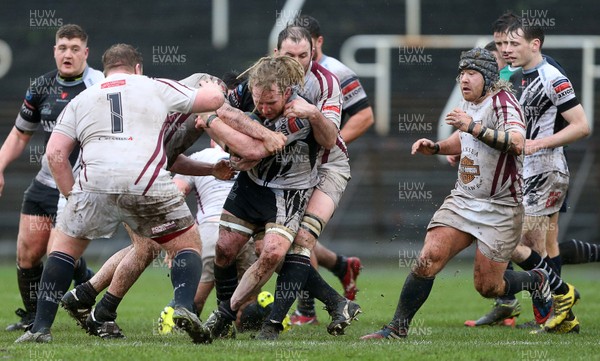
120 125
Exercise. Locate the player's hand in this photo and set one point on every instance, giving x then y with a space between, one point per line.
223 170
424 146
459 119
241 164
453 159
274 141
299 108
201 120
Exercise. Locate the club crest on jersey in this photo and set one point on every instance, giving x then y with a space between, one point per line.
467 170
562 87
553 197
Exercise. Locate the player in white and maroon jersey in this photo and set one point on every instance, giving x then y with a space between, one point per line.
554 119
485 205
507 308
125 266
119 124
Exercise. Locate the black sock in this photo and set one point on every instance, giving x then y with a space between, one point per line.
290 285
87 294
517 281
29 281
306 306
106 310
511 297
321 290
80 274
414 294
552 265
226 281
186 270
557 264
339 268
574 252
55 282
535 261
225 309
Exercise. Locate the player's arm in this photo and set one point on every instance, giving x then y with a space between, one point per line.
325 130
11 149
241 164
183 184
209 97
231 140
450 145
58 149
357 125
186 166
238 120
577 128
509 141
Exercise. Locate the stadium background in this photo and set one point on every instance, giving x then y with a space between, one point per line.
392 195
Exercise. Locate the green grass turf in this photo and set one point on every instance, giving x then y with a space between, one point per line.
438 331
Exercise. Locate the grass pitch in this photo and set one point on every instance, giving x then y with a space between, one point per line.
437 333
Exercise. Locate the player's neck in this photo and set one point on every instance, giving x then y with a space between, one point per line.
318 57
535 61
70 79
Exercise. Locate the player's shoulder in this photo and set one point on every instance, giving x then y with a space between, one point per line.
194 80
549 72
550 60
92 76
320 71
336 67
505 95
165 83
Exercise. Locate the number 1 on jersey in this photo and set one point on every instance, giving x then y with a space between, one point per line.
116 112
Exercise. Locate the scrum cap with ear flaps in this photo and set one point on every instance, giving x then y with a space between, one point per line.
482 61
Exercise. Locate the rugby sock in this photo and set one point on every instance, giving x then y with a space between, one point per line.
557 264
226 281
306 306
186 270
81 273
29 281
106 309
86 294
225 309
507 298
340 266
290 285
55 281
552 264
520 281
535 261
574 252
414 293
321 290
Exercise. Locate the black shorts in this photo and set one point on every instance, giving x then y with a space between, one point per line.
40 200
280 210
